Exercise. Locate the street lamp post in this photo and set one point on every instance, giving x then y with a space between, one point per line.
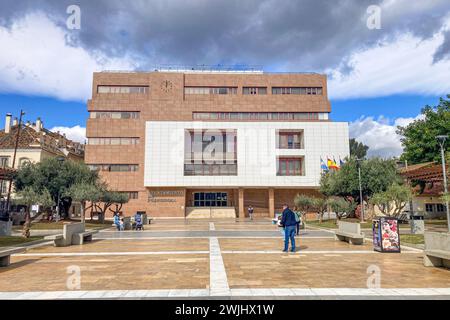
358 161
61 160
442 140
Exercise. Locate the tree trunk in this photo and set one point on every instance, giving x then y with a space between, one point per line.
83 213
27 225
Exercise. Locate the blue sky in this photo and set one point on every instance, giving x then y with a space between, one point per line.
383 66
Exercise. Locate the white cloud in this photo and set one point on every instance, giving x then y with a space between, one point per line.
380 135
400 66
36 59
76 133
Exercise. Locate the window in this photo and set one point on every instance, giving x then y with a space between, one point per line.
273 116
254 90
290 140
3 187
114 167
4 162
113 141
289 167
440 207
132 195
210 153
123 89
23 162
114 115
429 207
297 90
210 90
210 199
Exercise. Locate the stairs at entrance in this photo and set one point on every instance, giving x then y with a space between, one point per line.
207 213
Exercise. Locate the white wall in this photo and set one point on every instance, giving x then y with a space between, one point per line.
256 152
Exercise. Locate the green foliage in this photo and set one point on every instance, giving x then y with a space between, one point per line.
376 176
446 197
342 207
321 206
358 149
304 203
29 196
393 200
56 176
419 137
83 192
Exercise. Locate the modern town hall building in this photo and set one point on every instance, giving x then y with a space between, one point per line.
193 143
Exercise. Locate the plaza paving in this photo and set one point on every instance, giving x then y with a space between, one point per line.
218 259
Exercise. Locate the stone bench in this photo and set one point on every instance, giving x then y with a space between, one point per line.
73 233
5 255
437 249
82 237
349 232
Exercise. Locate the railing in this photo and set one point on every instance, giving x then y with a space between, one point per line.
295 145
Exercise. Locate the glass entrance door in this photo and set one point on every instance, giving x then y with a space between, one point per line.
210 199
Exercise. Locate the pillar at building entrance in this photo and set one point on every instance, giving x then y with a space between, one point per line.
271 202
241 204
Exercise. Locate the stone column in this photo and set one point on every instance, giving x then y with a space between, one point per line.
271 202
241 203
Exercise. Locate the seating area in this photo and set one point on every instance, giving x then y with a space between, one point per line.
73 234
350 232
5 255
437 250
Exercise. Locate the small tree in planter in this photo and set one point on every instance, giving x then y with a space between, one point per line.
341 207
392 201
107 199
304 204
29 197
83 193
118 200
321 206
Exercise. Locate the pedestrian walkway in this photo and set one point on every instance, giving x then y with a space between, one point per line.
218 259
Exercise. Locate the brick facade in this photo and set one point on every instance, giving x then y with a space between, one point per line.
167 101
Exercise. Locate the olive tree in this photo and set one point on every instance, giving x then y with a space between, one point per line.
392 201
341 207
84 193
29 197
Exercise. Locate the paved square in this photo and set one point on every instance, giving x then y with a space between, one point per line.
207 258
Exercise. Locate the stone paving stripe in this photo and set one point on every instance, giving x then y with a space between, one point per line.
324 252
218 281
204 237
245 292
125 253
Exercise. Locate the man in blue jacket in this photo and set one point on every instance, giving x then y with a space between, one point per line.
289 224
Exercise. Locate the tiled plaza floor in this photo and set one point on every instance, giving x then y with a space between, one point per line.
220 258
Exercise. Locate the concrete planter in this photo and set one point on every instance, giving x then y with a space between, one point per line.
437 249
5 228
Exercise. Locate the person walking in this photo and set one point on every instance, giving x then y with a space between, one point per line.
289 223
250 212
298 218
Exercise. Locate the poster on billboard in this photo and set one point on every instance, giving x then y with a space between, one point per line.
376 231
386 237
390 235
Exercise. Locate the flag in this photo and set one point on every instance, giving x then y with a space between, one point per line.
323 166
335 164
341 162
332 164
329 163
